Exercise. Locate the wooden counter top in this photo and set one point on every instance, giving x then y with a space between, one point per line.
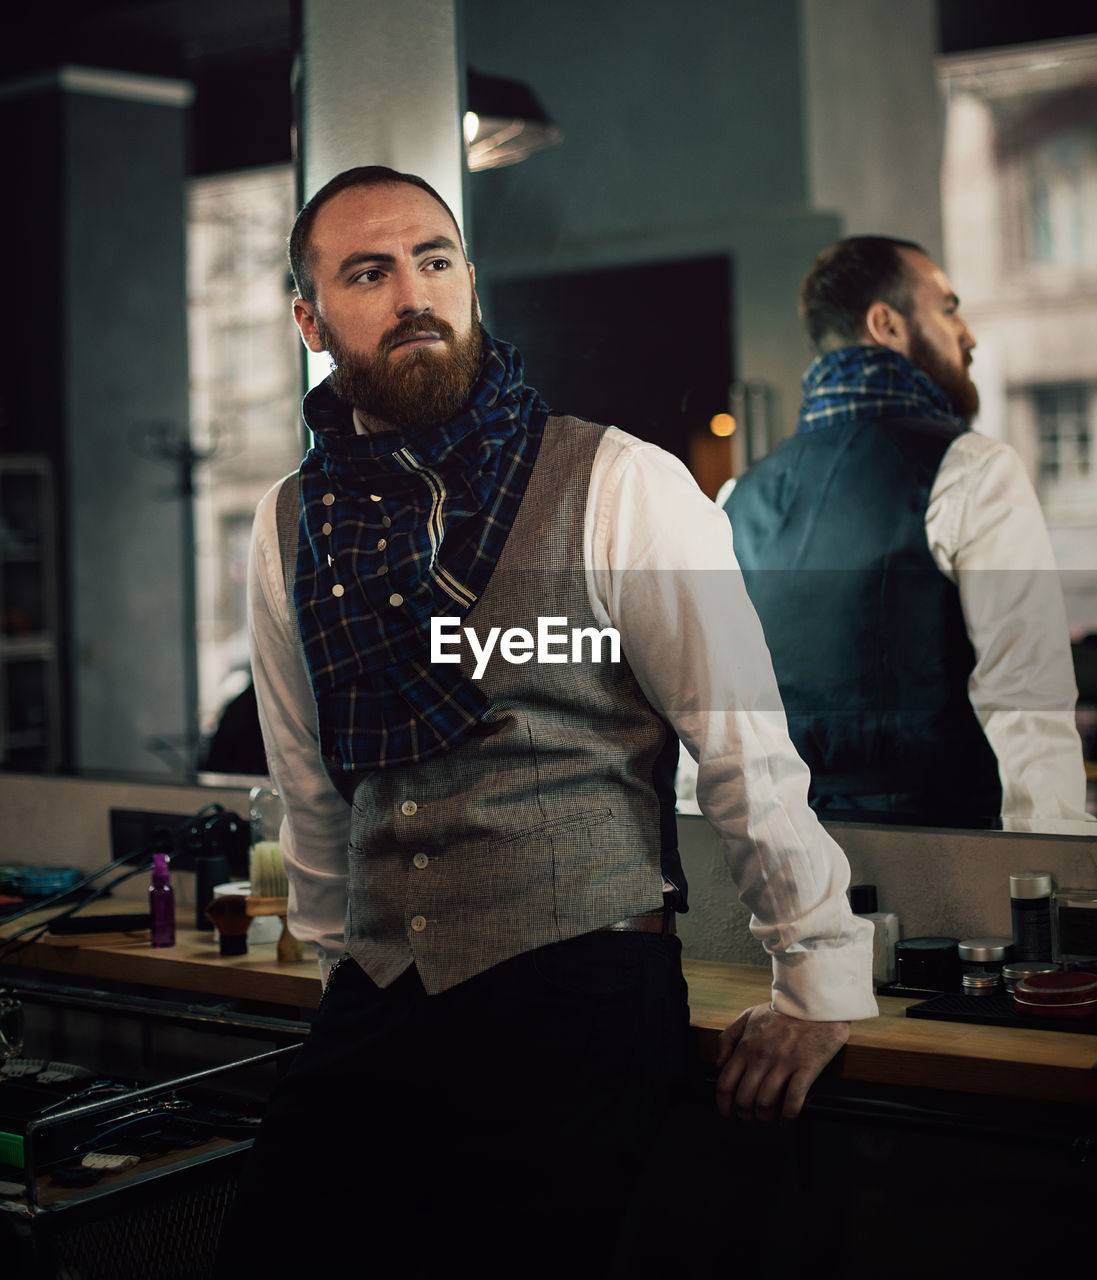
194 964
1053 1066
891 1049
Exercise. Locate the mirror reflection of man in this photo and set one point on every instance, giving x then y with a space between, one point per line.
902 569
481 862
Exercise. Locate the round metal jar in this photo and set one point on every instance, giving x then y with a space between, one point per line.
980 983
1058 988
985 953
981 961
1017 970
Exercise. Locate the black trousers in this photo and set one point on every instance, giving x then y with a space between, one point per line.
506 1125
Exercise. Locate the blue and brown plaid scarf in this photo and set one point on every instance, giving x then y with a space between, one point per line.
397 527
870 381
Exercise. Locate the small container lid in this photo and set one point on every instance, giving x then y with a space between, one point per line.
984 950
1015 970
1030 884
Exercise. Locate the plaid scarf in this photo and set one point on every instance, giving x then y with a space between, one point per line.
397 527
862 382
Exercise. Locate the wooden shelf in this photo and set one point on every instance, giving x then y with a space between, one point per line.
890 1049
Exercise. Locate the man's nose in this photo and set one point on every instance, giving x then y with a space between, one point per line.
967 338
412 298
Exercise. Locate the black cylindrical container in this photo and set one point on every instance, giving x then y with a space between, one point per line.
931 964
1030 907
210 870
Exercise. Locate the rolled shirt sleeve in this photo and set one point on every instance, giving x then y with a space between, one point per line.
661 569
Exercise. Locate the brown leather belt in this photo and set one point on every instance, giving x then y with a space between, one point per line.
649 922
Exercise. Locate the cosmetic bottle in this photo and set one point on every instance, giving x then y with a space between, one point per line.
1030 908
161 903
862 898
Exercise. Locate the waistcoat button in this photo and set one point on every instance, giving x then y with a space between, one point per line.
418 923
408 808
420 860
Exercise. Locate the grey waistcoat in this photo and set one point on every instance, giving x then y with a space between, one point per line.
544 823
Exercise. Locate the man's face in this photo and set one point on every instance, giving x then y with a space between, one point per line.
937 340
395 305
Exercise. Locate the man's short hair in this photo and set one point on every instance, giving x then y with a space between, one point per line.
301 257
845 280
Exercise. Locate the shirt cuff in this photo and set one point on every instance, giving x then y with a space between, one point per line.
829 984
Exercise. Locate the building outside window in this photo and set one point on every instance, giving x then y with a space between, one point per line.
1019 201
1064 437
245 385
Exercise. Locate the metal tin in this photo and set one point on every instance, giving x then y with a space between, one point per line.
981 983
1074 987
985 951
1015 970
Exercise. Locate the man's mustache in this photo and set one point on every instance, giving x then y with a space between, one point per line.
411 328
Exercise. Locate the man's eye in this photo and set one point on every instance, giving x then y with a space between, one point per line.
437 264
371 275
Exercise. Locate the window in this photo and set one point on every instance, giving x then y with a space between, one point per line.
245 376
1064 437
1062 189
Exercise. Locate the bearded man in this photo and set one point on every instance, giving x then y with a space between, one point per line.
482 849
902 569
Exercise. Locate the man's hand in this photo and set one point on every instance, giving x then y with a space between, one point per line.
768 1061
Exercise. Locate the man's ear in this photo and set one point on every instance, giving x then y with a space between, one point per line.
886 327
305 315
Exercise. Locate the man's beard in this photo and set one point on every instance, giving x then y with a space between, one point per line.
419 388
961 393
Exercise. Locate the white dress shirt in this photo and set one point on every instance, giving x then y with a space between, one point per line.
987 534
660 569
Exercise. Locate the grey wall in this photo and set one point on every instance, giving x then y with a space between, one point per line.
125 364
94 227
763 128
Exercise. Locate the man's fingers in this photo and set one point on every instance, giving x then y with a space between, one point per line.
730 1037
752 1096
727 1084
796 1092
769 1061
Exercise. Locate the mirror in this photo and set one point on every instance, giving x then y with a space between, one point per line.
666 159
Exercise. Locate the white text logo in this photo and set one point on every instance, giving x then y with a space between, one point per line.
553 643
